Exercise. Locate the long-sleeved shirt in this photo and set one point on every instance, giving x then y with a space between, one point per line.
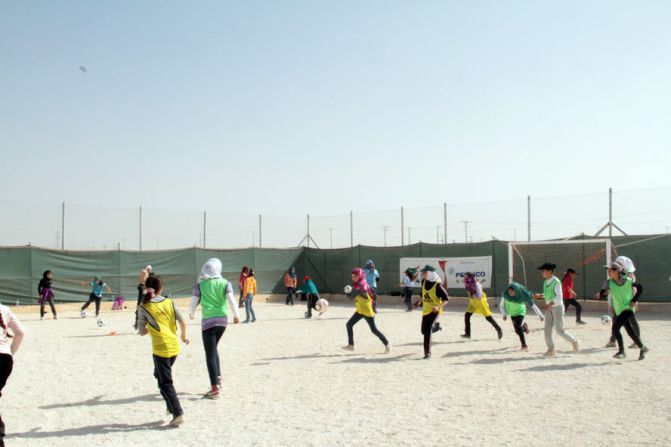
290 281
502 308
10 321
217 320
250 286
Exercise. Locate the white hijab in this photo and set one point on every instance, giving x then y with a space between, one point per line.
211 270
433 277
627 263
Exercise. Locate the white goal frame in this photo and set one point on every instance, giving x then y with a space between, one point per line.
511 247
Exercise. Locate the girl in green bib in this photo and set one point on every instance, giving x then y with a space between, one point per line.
623 294
158 317
553 308
513 304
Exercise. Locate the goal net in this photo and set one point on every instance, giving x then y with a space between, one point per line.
587 257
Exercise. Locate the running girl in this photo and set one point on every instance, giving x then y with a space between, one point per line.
158 317
409 277
567 285
46 294
7 351
98 287
363 303
309 290
623 297
553 309
290 282
477 304
434 298
514 303
215 295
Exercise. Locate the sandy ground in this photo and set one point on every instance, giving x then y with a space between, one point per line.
287 382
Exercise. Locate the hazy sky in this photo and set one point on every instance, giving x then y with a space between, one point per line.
288 107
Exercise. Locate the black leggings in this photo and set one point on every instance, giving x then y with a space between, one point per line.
93 298
626 319
467 323
518 325
371 324
634 324
163 374
576 304
407 297
290 296
427 326
6 365
312 301
211 339
51 304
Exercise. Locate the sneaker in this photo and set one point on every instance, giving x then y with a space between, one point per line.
213 395
219 381
524 349
550 353
387 348
83 313
177 421
525 328
254 320
610 344
576 346
41 318
499 332
465 336
427 356
633 346
644 350
55 317
435 328
580 322
348 348
619 355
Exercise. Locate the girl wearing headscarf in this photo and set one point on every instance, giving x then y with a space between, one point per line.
46 294
290 282
477 304
363 303
433 299
514 303
409 277
215 296
309 290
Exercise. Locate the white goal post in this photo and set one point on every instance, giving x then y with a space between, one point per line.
586 256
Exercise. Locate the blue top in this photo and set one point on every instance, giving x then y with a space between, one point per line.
309 287
97 289
372 276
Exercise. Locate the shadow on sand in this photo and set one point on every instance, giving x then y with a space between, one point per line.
98 400
100 429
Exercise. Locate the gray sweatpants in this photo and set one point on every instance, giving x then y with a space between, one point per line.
555 317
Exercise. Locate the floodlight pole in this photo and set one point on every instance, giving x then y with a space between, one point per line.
402 229
351 229
529 218
140 227
610 223
260 232
204 228
444 223
63 227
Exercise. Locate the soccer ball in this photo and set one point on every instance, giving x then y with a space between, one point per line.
348 289
100 322
605 319
321 305
83 313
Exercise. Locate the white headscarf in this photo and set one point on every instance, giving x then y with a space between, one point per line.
211 270
627 263
433 277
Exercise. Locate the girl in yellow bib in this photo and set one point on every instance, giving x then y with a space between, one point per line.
158 317
477 304
363 302
434 297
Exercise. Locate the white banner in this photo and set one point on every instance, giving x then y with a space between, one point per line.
452 270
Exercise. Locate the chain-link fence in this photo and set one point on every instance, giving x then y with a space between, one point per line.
81 227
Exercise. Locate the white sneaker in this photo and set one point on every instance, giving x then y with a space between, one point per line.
83 313
576 346
387 349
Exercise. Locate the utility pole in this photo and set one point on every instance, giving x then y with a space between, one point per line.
437 234
63 227
466 222
384 229
409 236
331 236
204 228
402 228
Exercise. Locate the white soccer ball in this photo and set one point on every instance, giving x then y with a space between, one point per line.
83 313
605 319
321 305
100 322
348 289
